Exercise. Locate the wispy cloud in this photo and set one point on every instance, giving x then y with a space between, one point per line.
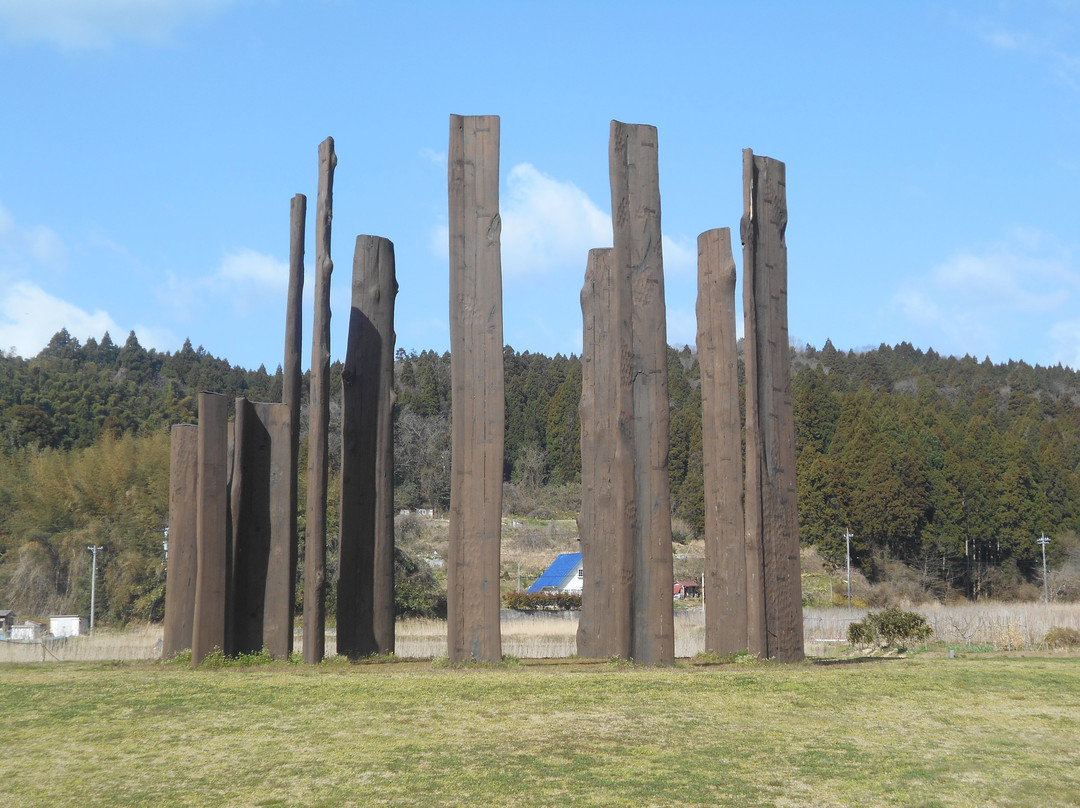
29 248
432 156
1044 47
77 25
972 300
254 270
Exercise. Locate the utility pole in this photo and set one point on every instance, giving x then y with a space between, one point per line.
847 538
1044 540
93 582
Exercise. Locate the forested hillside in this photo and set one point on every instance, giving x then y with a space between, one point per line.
951 467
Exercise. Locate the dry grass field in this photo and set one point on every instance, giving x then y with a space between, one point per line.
972 626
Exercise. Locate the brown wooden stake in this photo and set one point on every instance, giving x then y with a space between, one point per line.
182 570
211 584
293 376
605 529
319 418
721 431
367 457
639 266
771 514
593 601
477 408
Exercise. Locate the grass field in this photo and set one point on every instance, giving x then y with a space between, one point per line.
978 730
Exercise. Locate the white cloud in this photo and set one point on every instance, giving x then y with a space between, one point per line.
29 248
977 299
1043 48
30 316
248 268
432 156
548 224
680 256
73 25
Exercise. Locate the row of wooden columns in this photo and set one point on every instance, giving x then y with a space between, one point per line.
233 522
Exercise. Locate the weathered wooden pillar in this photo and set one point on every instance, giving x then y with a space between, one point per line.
478 395
212 550
365 602
318 419
605 529
721 432
771 516
293 376
263 586
181 574
639 267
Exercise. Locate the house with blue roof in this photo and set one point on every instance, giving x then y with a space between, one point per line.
564 575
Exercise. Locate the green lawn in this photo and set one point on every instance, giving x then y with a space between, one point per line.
979 730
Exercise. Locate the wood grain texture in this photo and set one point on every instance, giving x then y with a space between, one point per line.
212 546
477 388
639 266
180 576
604 626
263 576
293 376
770 423
366 571
721 433
318 419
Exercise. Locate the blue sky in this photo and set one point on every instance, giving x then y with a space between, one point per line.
149 150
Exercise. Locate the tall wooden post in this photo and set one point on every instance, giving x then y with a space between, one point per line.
771 515
263 586
211 584
605 529
365 603
293 377
181 572
721 432
639 267
477 409
319 418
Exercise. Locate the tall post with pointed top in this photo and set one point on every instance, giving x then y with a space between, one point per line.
770 510
319 418
725 555
477 408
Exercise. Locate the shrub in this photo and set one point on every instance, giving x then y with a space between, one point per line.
542 601
1062 637
892 627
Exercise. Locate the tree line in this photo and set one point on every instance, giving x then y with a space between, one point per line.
951 467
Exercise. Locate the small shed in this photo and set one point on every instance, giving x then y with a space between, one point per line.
68 625
687 589
565 574
29 631
7 620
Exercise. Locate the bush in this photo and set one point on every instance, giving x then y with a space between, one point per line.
417 590
1061 637
542 601
892 627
